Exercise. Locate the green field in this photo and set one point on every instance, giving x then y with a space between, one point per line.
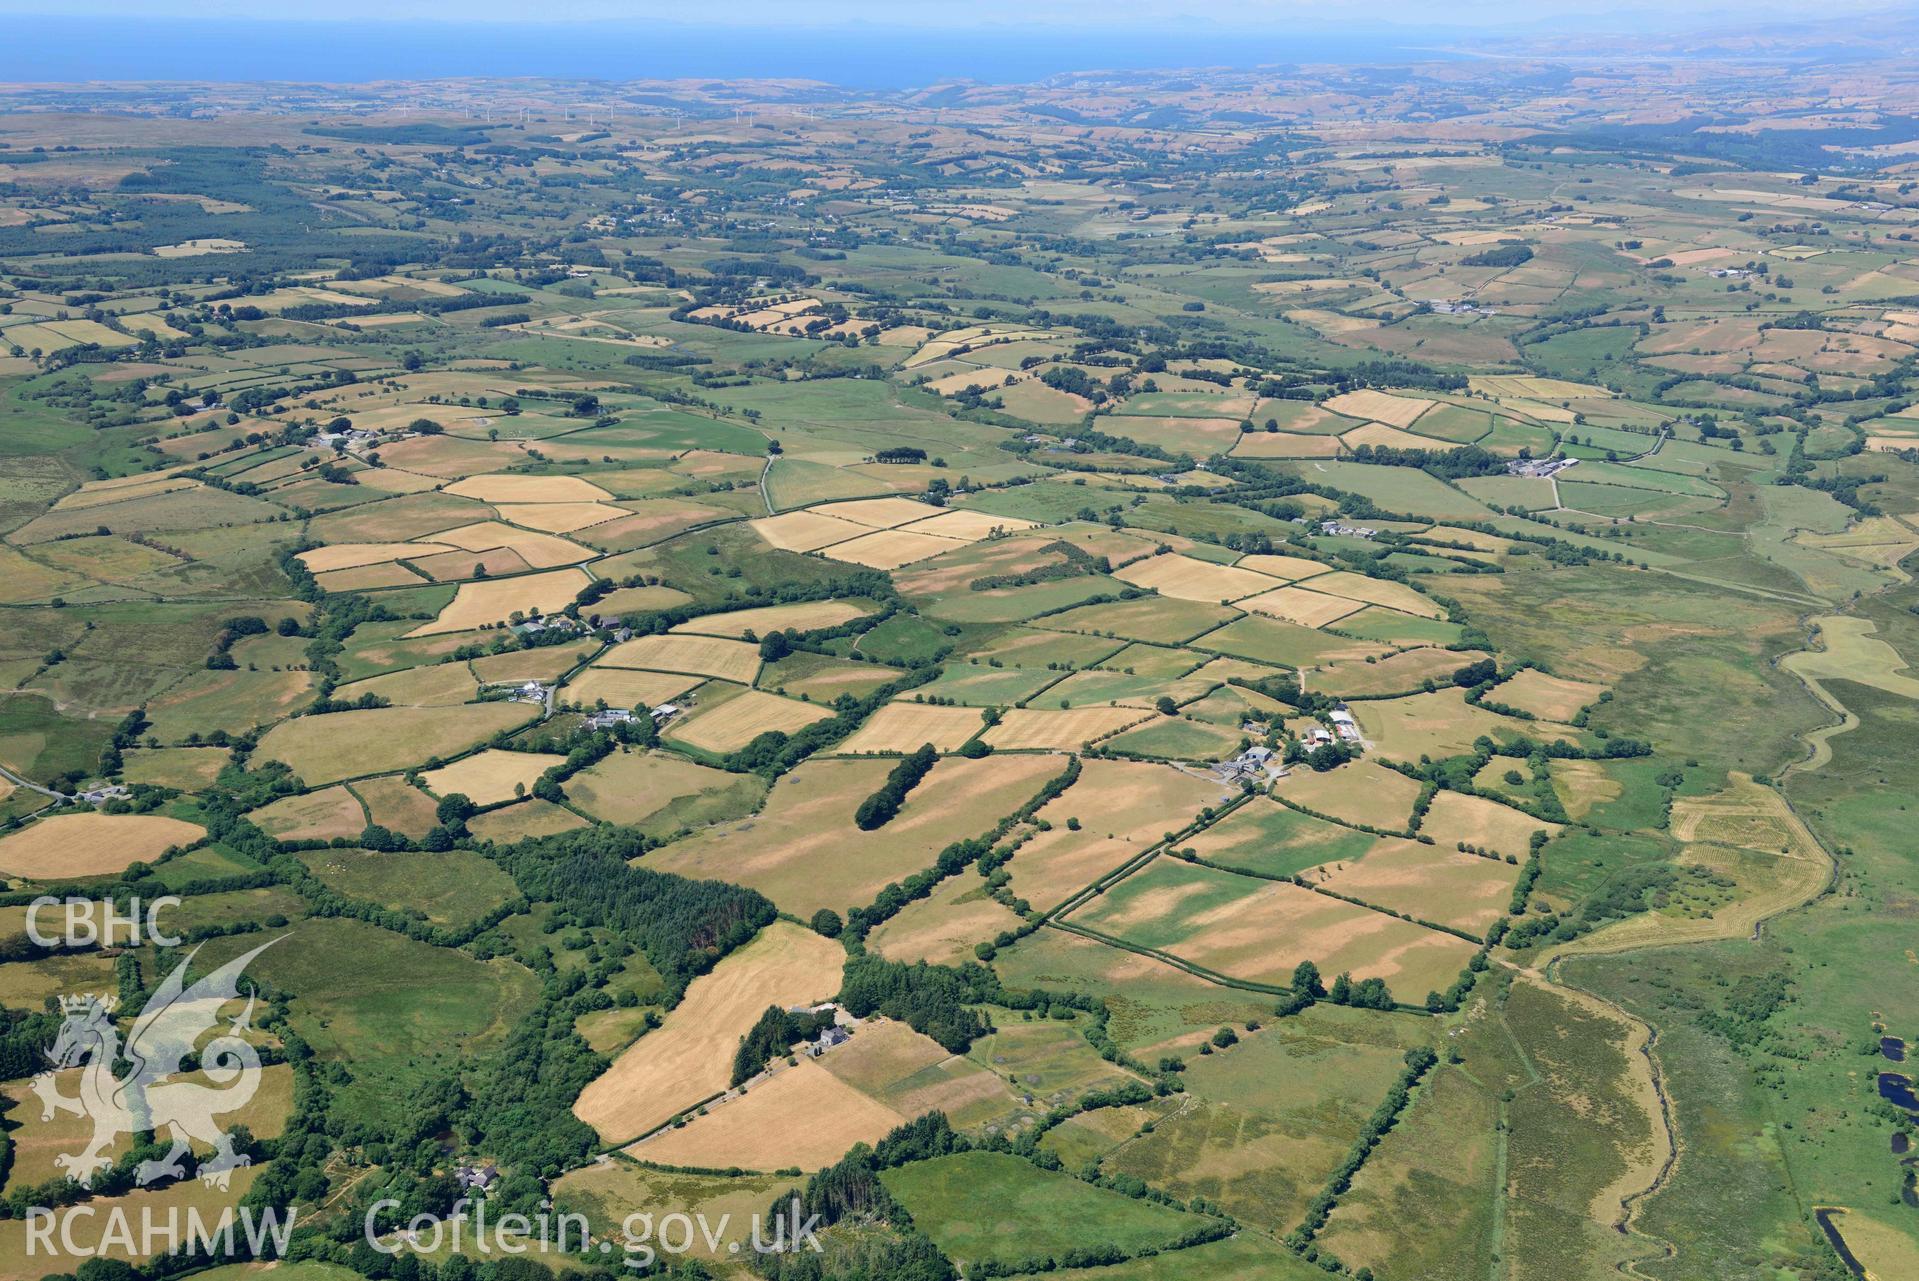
1268 839
1173 738
450 889
988 1206
1262 1156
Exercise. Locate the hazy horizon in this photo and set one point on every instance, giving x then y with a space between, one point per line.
840 43
1265 16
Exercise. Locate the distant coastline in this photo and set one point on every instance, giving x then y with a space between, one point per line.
50 48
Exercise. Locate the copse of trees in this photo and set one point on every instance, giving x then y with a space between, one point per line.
1506 255
772 1034
1483 672
879 809
1446 464
681 926
932 999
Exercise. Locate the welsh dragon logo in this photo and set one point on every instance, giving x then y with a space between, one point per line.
166 1032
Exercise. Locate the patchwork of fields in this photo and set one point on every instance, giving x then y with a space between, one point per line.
1277 674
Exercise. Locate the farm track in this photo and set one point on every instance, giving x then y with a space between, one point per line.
17 781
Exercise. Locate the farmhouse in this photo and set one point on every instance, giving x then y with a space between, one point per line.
607 718
557 623
1249 763
1341 530
351 438
477 1178
1344 725
828 1038
1541 468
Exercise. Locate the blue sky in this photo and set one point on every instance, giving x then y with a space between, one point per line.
1080 14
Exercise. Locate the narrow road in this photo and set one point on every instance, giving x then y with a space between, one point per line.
17 781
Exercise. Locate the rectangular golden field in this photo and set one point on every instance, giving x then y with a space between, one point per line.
879 513
802 1117
944 927
968 526
1260 930
324 815
1536 388
1379 406
1377 591
805 531
495 600
1285 444
621 687
902 727
69 845
699 655
739 720
1437 884
1359 792
509 488
1455 817
890 548
1060 731
1287 569
541 551
805 616
1115 811
804 851
1297 605
561 518
1552 698
488 777
1189 579
325 749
